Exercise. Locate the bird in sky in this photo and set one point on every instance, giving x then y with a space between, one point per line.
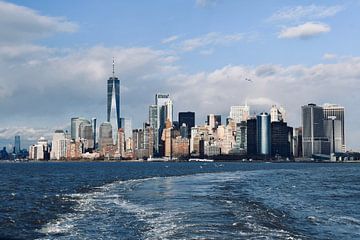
248 79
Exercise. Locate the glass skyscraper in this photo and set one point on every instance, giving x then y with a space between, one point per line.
113 102
314 140
263 133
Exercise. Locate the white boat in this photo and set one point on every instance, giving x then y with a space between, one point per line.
200 160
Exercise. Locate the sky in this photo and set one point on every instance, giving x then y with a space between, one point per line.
56 56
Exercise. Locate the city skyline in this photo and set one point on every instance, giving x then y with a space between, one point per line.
211 82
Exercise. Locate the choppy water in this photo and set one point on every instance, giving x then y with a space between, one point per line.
179 201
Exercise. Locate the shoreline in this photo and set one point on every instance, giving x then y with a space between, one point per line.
171 161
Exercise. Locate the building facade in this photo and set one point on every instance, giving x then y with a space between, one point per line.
314 140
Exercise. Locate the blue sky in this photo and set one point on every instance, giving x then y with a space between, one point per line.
56 56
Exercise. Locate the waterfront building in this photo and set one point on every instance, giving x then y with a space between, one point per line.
40 150
241 137
17 147
297 143
86 134
277 114
93 122
158 115
180 147
184 131
187 118
74 150
127 127
105 135
251 141
213 121
280 145
263 134
113 103
121 142
334 126
166 137
314 140
75 127
239 113
212 150
59 145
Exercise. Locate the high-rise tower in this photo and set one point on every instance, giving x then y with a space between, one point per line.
314 140
113 102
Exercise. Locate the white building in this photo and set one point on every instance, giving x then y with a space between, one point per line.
38 151
239 113
60 143
277 114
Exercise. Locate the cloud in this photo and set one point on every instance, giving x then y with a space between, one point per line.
205 3
170 39
329 56
210 39
304 31
310 12
21 24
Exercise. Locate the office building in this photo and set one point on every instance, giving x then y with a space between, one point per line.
75 127
105 135
127 127
280 144
158 115
297 143
241 137
93 122
60 144
314 140
251 140
113 103
334 126
263 134
187 118
86 134
239 113
277 114
17 147
213 121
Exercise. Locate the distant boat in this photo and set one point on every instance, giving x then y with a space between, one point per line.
200 160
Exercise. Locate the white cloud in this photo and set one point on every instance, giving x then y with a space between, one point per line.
329 56
304 31
210 39
21 24
205 3
310 12
170 39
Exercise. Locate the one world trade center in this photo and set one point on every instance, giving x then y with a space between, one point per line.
113 103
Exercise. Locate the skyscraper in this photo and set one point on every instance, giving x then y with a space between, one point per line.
277 114
334 126
113 103
314 140
17 145
105 135
164 112
213 120
280 145
93 122
251 141
263 134
75 127
239 113
59 145
187 118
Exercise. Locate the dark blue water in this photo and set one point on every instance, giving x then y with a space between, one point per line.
179 201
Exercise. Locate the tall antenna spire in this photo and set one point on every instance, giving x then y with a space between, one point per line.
113 67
